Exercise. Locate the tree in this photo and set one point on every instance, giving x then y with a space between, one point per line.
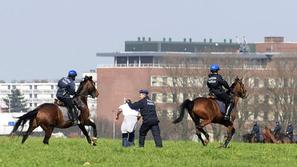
16 101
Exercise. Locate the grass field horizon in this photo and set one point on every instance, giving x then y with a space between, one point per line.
76 152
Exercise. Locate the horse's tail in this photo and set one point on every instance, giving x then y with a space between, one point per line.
23 119
187 104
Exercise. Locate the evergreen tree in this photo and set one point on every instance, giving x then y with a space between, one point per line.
16 101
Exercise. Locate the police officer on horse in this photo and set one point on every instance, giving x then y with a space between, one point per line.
256 131
290 131
215 84
66 89
277 129
150 120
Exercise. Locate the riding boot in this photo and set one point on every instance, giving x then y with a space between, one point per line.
73 117
125 142
228 112
131 138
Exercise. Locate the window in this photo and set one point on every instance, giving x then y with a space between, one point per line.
30 87
30 95
164 98
8 87
35 86
52 86
52 95
13 87
35 104
35 95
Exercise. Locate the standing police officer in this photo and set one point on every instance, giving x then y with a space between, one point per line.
215 84
150 120
66 89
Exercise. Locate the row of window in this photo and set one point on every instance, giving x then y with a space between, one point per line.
252 82
172 98
30 87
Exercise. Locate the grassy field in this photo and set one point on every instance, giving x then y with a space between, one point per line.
76 152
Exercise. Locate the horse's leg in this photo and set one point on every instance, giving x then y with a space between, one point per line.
32 126
230 133
93 125
198 133
83 129
48 132
205 134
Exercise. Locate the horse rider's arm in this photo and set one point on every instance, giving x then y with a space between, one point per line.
224 83
71 88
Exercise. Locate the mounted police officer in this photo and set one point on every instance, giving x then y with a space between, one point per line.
290 131
215 84
277 129
150 120
66 89
256 131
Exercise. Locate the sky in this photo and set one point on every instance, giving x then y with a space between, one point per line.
43 39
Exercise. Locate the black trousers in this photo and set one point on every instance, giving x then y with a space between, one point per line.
154 127
224 97
70 106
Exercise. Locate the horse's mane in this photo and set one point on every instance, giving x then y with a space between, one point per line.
81 84
234 83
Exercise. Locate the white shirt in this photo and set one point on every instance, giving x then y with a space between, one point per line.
127 111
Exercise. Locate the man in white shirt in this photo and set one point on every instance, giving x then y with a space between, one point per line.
128 125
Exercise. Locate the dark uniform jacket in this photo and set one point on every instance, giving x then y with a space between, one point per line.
256 129
290 129
66 87
147 110
277 129
216 83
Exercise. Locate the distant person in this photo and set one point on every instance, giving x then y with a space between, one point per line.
290 132
215 84
65 92
150 121
277 129
256 131
128 124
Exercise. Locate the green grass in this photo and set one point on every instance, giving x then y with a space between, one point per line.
76 152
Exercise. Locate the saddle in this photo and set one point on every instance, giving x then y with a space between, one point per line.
77 103
59 103
221 104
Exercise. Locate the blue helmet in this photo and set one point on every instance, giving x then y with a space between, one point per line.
214 67
144 91
72 73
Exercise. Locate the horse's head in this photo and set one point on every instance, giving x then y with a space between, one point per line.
87 87
239 89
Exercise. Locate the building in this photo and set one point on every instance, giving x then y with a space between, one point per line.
187 45
276 44
173 75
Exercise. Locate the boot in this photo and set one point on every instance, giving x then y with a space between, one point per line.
228 112
73 117
131 138
125 142
141 141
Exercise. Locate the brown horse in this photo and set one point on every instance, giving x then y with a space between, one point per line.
50 116
268 136
209 110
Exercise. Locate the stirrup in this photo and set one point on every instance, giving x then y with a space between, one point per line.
226 118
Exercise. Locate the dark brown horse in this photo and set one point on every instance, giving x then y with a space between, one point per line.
268 136
50 116
208 110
